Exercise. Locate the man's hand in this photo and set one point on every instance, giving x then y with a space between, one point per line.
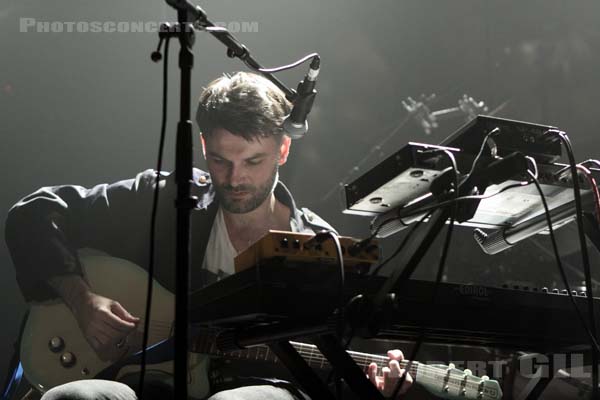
105 324
391 375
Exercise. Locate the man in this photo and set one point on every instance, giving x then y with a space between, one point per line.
240 118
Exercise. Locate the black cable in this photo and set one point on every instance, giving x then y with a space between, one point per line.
559 263
153 222
447 241
455 201
449 154
447 202
584 254
399 248
440 273
579 213
428 210
443 258
443 204
378 268
464 198
480 153
446 246
320 237
341 311
457 198
438 279
286 67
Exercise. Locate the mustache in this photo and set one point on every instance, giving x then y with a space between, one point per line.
238 189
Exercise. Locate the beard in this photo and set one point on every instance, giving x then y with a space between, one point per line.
256 194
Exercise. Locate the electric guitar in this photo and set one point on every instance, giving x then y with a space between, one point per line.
54 351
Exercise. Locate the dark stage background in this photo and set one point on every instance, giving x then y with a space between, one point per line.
84 108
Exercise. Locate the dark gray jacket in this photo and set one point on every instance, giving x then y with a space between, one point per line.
45 229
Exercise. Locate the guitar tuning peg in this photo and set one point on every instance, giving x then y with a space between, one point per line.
451 366
485 378
468 372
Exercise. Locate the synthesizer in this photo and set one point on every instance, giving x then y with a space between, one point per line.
517 317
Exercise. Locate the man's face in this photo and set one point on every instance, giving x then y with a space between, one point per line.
243 172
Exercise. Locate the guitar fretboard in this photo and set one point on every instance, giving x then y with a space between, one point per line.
452 379
309 352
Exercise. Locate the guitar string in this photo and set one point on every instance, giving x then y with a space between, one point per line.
451 380
454 381
311 353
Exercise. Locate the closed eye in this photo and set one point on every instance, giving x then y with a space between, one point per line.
254 161
217 160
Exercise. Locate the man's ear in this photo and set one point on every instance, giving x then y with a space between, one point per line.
284 149
203 145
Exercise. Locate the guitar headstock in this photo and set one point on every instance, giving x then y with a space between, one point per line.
448 382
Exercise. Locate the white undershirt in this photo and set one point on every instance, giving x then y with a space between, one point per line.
220 252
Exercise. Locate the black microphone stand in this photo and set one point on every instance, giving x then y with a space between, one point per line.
189 15
184 203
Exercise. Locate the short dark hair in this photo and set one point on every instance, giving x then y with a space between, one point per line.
245 104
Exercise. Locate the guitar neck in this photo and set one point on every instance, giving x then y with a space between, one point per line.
315 359
310 353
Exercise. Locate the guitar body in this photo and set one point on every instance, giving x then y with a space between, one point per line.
72 358
54 351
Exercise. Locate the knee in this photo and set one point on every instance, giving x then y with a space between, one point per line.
90 389
258 392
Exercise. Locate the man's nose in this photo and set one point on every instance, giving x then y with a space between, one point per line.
237 176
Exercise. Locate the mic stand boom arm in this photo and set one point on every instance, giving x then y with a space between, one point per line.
198 18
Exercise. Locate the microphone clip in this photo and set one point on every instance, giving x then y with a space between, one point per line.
296 124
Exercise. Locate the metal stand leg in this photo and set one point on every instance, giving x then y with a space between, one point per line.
540 369
345 366
303 373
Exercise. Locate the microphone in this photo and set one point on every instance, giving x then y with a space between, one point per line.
502 239
295 124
